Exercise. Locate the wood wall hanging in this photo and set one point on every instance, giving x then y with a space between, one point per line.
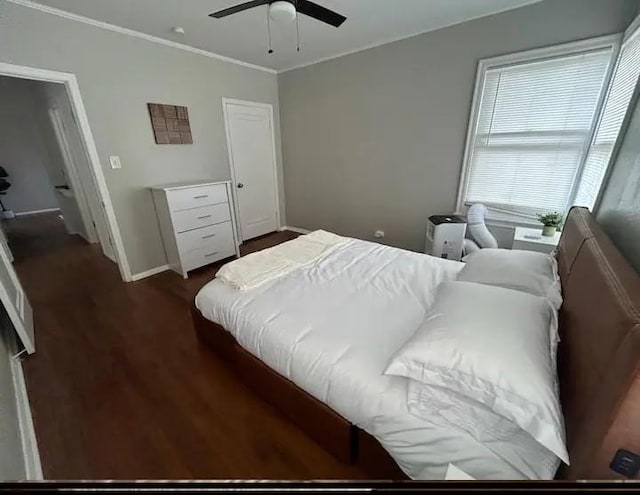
170 124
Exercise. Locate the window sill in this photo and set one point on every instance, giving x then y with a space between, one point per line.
494 222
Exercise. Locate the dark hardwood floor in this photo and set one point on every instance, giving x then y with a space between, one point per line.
120 388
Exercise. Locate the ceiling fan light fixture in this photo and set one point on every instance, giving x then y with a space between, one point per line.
282 11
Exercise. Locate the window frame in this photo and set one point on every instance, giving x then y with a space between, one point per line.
614 42
631 32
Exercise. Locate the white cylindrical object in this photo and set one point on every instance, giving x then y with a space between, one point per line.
469 246
477 228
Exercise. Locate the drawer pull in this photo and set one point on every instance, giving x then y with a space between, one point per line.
204 216
211 254
208 236
201 197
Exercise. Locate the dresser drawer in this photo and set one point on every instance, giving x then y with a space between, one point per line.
200 217
193 197
209 254
213 236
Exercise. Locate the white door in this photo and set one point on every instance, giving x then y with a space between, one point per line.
15 301
250 140
84 192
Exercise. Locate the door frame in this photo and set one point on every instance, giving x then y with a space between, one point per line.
75 98
72 174
19 312
274 162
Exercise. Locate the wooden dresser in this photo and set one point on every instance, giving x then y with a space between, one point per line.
197 222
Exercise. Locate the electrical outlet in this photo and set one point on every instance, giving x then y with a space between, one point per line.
115 162
626 463
378 234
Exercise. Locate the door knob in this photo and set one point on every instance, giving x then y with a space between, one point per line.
240 185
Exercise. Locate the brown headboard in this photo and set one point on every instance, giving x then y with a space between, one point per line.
599 354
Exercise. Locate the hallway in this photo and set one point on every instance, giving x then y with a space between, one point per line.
119 386
34 236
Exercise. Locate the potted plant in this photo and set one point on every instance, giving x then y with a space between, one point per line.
552 223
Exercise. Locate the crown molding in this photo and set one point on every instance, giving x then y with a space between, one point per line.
136 34
199 51
403 37
364 48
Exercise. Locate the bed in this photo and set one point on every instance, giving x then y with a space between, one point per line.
293 341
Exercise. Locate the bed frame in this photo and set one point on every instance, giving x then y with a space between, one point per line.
598 365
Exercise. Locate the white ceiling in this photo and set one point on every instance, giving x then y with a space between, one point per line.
243 36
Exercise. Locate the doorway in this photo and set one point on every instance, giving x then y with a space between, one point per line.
36 165
53 191
86 175
39 210
252 158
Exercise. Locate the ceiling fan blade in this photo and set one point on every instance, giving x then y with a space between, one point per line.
319 12
238 8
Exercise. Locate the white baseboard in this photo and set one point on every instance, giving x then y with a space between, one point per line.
149 273
35 212
294 229
33 467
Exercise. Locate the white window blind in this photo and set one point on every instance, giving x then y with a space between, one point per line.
533 126
619 96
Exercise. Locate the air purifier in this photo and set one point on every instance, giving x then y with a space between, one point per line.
445 236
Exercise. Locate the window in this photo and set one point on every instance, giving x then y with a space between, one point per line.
533 122
617 102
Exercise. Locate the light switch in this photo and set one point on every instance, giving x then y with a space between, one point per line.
115 162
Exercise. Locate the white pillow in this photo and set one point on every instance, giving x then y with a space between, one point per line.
526 271
491 345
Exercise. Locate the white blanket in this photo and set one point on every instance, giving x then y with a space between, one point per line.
332 327
255 269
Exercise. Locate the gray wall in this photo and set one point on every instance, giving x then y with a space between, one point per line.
374 140
619 210
118 75
22 149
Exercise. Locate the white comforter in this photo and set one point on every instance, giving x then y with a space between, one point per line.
332 326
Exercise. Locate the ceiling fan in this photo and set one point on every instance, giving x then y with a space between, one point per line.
286 10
